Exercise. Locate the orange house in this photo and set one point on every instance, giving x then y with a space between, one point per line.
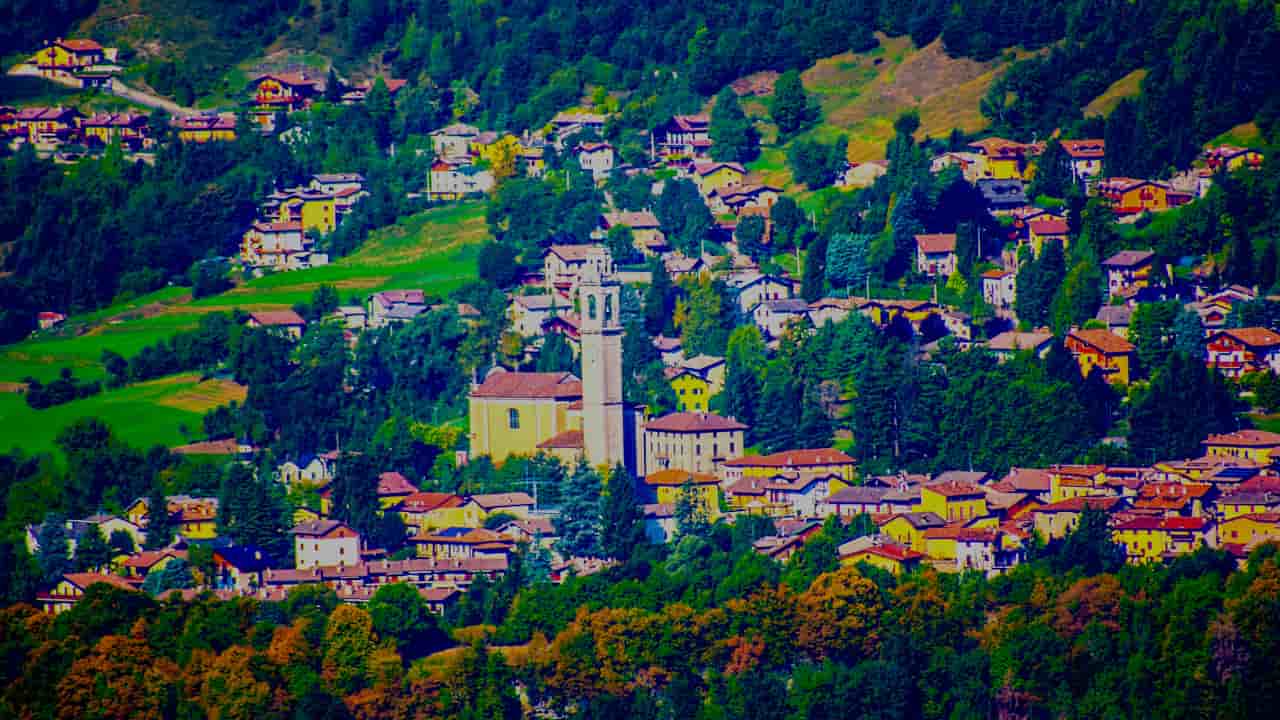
1129 196
1101 349
282 92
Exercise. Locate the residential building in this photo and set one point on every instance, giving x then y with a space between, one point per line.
1258 445
862 174
453 141
47 125
1129 196
759 287
1043 230
275 93
286 321
206 128
1247 502
774 316
714 176
857 500
462 543
1128 269
936 254
666 486
68 591
1011 342
1058 519
1232 158
908 528
1236 351
646 231
452 180
815 461
1085 158
426 511
1104 350
1116 318
325 543
683 137
239 567
130 130
390 307
530 313
1000 288
953 500
1002 197
1147 539
693 442
68 55
878 552
596 158
1250 530
1004 159
561 265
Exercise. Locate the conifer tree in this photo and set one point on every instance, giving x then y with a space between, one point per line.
54 555
92 551
791 108
159 523
621 522
734 137
579 519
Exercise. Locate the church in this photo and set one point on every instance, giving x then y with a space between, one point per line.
519 413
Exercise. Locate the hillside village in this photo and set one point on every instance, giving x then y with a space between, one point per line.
692 460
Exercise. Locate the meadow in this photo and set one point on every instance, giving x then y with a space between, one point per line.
434 250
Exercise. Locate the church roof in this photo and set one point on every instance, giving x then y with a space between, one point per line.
557 385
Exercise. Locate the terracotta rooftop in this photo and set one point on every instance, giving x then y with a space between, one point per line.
794 458
393 483
428 501
693 422
1258 337
568 440
277 318
937 243
490 501
954 489
1084 149
1078 504
1129 258
678 478
560 386
1051 226
572 253
1245 438
1104 340
316 528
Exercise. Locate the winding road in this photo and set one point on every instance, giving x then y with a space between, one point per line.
117 88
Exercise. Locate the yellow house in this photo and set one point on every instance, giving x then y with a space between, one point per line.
427 511
71 588
709 176
393 488
1042 230
1247 502
67 55
1076 481
1148 539
512 413
891 558
693 392
315 211
1257 445
907 529
812 461
665 486
1003 159
953 501
457 543
1233 158
1058 519
198 521
1102 349
1128 196
206 128
1251 529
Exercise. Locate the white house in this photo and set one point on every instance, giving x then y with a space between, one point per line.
936 254
596 158
311 469
773 316
1000 288
757 288
395 306
325 543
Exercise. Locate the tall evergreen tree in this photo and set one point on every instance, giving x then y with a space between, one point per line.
579 519
621 521
734 137
159 523
791 108
54 555
813 282
92 551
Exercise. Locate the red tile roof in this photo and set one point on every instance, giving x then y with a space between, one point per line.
277 318
317 528
937 243
428 501
560 386
1104 340
567 440
794 458
1258 337
1129 259
1078 504
955 489
1050 226
1245 438
393 483
678 478
80 45
488 501
1084 149
1164 523
84 580
892 552
693 422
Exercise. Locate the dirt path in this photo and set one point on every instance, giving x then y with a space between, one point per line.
117 88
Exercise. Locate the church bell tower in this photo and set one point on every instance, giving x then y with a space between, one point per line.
603 411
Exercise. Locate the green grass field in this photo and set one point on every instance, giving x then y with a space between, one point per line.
142 415
434 250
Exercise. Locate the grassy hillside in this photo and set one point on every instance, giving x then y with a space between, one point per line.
433 250
1126 87
861 94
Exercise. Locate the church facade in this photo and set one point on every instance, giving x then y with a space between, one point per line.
518 413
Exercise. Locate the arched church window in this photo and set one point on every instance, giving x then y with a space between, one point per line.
608 308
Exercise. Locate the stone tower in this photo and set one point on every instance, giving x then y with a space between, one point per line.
603 412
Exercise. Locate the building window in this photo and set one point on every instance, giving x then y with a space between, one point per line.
513 419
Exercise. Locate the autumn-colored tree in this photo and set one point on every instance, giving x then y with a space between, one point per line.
770 617
228 688
839 615
119 678
348 643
